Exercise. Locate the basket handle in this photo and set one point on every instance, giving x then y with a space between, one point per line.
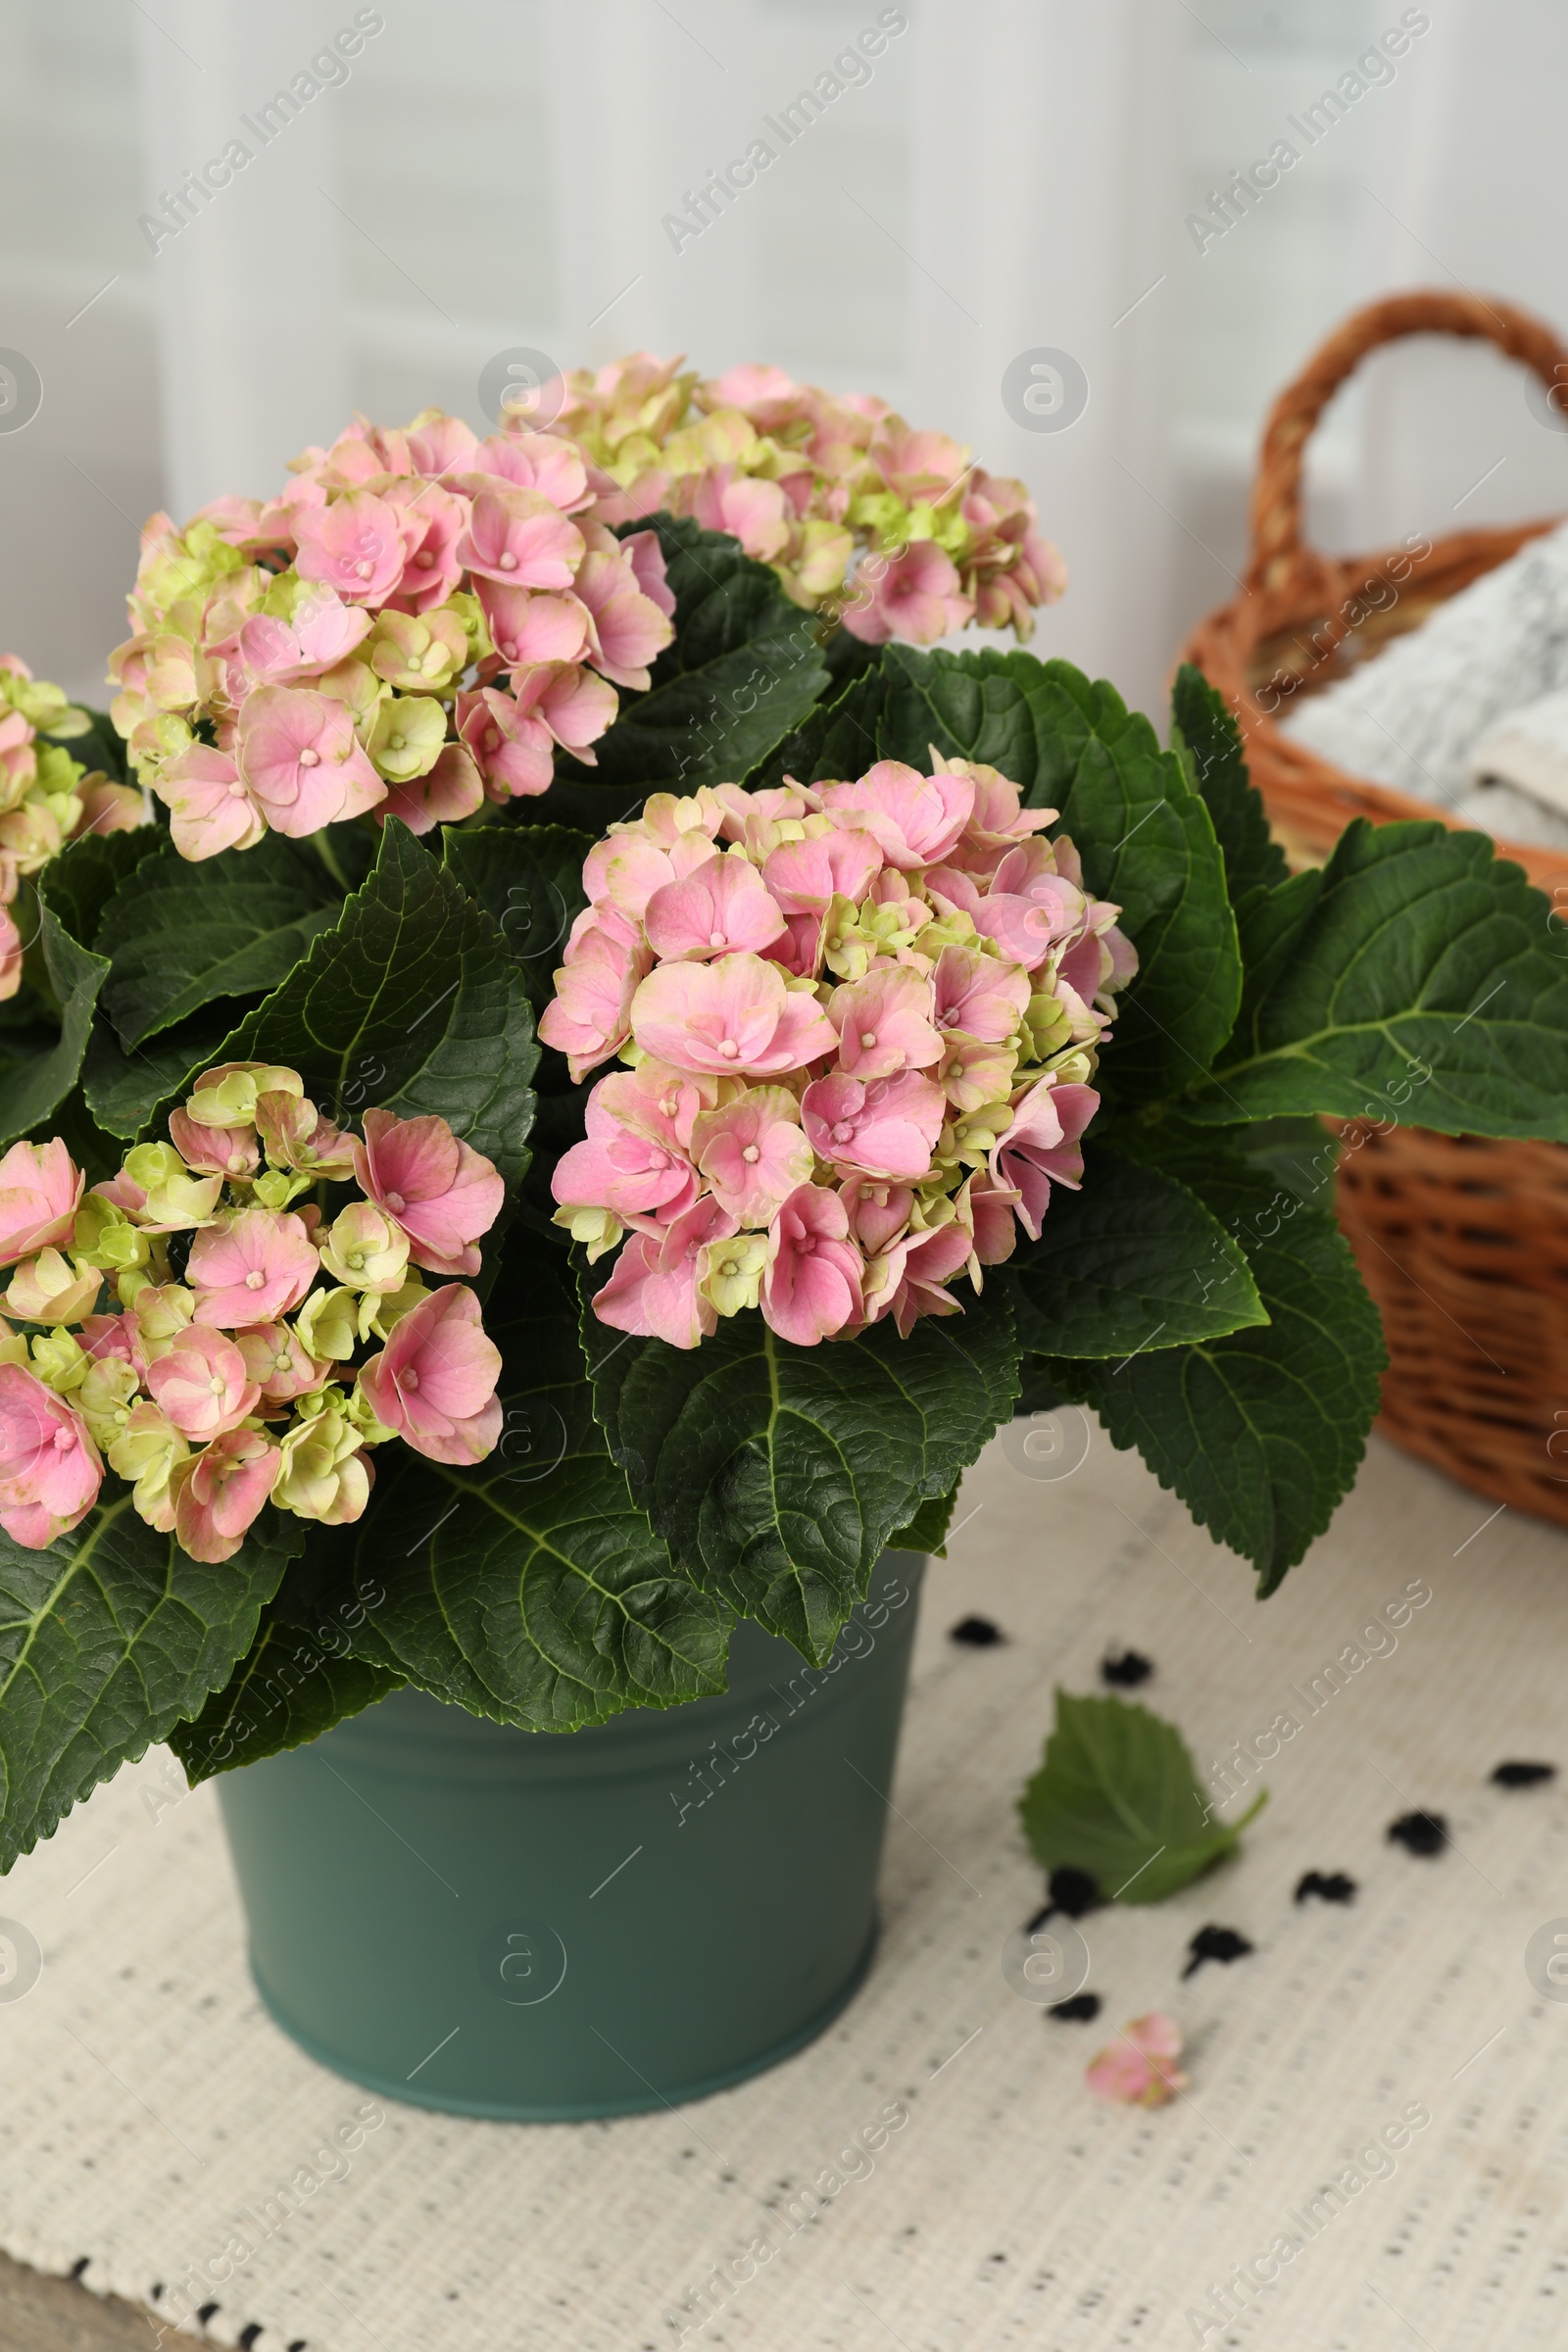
1279 557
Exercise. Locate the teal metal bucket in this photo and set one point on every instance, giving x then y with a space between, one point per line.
542 1926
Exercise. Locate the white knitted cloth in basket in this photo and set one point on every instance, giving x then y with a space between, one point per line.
1412 717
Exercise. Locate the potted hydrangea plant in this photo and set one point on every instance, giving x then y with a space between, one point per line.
759 1074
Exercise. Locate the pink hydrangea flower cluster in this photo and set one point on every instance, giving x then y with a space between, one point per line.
46 798
235 1382
860 1020
417 623
891 531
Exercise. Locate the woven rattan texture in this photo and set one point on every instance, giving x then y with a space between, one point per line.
1465 1246
1463 1243
1303 618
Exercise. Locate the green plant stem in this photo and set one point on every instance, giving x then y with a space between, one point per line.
35 970
328 858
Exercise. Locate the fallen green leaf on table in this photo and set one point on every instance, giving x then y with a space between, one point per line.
1117 1795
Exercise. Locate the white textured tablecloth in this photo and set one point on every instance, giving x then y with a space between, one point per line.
147 2100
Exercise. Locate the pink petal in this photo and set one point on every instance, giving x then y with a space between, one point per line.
530 625
805 876
355 546
574 704
628 628
299 759
1042 1146
224 1493
884 1023
443 445
720 908
40 1192
631 1177
589 1016
917 819
201 1383
710 1016
536 460
210 809
652 1290
887 1128
442 1194
813 1285
979 994
878 1211
753 1153
751 511
434 1380
647 559
447 792
513 750
50 1471
1157 2035
433 522
926 1263
254 1269
520 538
1119 2074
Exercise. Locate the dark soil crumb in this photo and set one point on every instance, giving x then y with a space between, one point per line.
1078 2010
1419 1833
1074 1892
1523 1775
1127 1671
1334 1887
1214 1943
976 1633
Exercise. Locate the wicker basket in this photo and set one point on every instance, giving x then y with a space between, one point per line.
1463 1241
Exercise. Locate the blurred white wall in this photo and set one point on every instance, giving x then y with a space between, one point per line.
1003 180
249 281
1466 203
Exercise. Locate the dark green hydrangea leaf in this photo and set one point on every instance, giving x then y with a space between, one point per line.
529 878
287 1689
108 1639
410 1003
1260 1432
927 1531
1133 1261
746 667
839 739
180 935
124 1090
778 1474
1422 975
1142 833
531 1588
1148 845
80 882
33 1087
1206 730
1030 720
